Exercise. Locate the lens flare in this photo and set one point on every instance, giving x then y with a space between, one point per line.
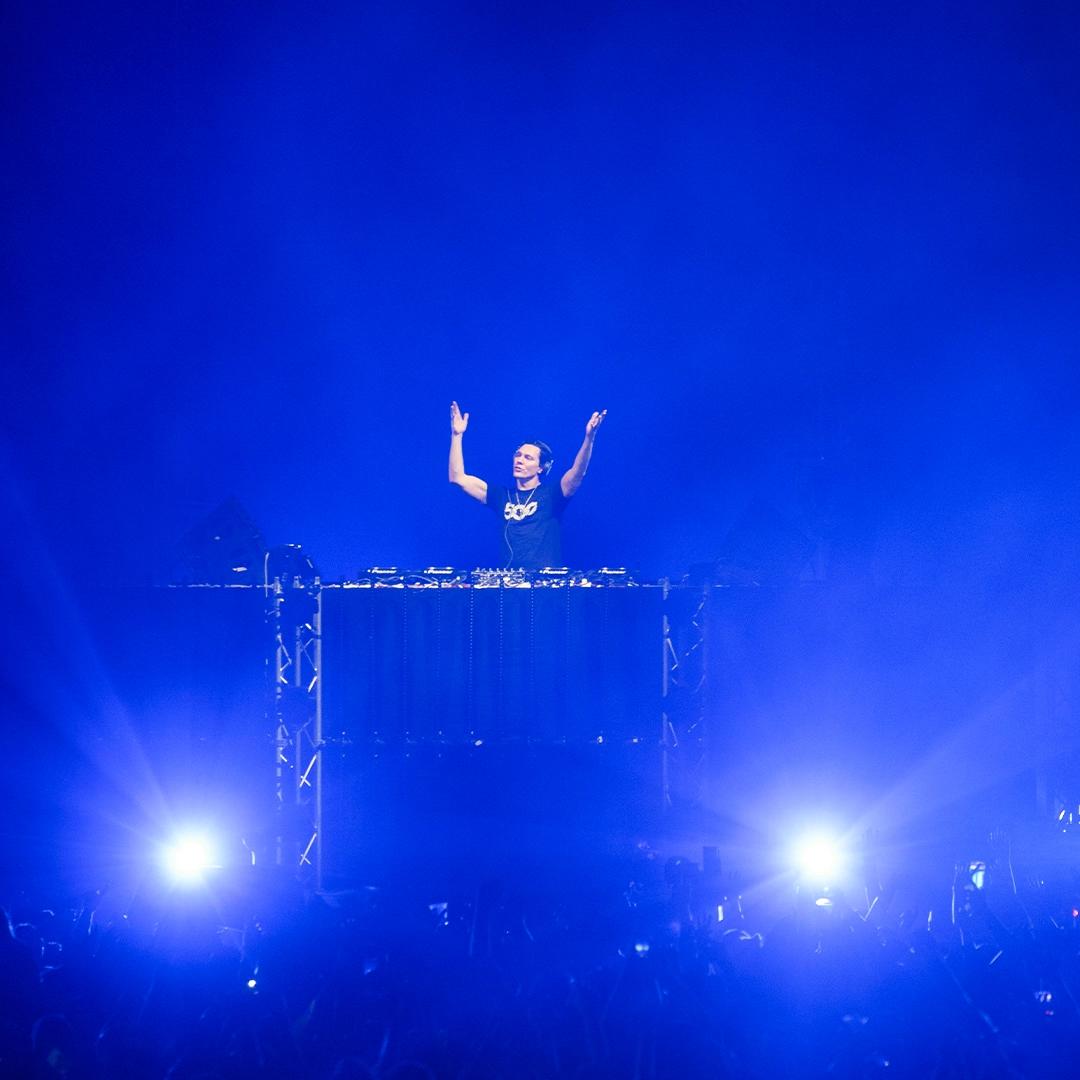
820 858
188 858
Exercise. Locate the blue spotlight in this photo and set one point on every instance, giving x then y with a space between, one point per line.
188 858
820 859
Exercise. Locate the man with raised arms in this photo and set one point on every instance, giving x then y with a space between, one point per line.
530 511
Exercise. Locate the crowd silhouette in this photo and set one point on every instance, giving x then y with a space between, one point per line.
654 972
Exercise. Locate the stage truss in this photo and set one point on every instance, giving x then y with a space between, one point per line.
296 615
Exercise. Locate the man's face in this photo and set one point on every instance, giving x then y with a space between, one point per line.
526 462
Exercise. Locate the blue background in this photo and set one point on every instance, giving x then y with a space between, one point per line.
814 255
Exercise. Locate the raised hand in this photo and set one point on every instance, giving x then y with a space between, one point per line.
573 476
595 421
458 421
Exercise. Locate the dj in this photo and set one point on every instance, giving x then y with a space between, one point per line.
532 510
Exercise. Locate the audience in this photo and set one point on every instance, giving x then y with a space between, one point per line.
640 981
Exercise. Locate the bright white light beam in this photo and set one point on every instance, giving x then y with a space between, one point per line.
188 858
820 858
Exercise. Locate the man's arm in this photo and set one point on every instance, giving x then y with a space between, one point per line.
471 485
573 476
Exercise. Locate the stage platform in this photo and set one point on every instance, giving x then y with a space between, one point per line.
464 725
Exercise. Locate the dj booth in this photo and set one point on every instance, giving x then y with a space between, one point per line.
426 661
484 714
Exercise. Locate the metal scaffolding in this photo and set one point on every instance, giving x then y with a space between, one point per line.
298 726
684 740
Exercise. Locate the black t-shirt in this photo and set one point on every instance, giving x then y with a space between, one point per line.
531 524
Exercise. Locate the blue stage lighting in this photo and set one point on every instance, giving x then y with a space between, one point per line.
820 859
188 858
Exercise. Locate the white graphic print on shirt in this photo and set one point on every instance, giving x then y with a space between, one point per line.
519 511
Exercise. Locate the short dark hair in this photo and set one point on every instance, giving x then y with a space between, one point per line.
547 458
